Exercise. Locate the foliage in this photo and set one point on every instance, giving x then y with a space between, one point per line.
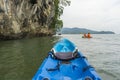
65 2
57 24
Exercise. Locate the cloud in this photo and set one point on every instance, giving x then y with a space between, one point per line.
93 14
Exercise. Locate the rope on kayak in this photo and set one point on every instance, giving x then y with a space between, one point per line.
84 57
88 67
56 68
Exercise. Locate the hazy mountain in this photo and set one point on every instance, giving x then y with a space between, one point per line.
83 30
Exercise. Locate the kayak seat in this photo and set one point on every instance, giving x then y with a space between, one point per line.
65 55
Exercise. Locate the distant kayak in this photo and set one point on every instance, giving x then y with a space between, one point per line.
86 37
59 33
65 62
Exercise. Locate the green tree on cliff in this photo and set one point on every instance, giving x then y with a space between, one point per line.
57 24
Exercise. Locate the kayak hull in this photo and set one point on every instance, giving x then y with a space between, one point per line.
86 37
76 68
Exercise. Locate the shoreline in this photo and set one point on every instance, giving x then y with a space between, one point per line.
23 35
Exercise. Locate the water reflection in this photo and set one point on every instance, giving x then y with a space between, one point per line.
20 59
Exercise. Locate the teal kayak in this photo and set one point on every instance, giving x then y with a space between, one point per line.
65 62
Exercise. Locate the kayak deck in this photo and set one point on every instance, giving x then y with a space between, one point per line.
76 68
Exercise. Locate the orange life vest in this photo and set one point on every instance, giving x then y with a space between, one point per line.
89 36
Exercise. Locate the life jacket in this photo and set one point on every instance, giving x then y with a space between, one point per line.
89 36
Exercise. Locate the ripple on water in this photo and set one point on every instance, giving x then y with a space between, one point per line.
106 75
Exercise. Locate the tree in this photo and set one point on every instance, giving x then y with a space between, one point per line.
57 24
65 2
62 4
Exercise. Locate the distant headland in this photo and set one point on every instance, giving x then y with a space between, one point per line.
83 30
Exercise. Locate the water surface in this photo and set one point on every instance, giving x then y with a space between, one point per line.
20 59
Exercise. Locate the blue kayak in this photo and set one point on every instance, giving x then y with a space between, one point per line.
65 62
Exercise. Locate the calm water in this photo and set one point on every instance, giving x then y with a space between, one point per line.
20 59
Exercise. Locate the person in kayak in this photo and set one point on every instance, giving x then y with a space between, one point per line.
89 35
84 36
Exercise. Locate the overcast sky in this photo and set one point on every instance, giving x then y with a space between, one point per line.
93 14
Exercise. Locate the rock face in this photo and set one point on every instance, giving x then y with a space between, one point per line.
26 18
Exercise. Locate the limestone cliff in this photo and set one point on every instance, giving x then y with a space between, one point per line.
26 18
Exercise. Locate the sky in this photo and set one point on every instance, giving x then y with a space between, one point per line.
93 14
